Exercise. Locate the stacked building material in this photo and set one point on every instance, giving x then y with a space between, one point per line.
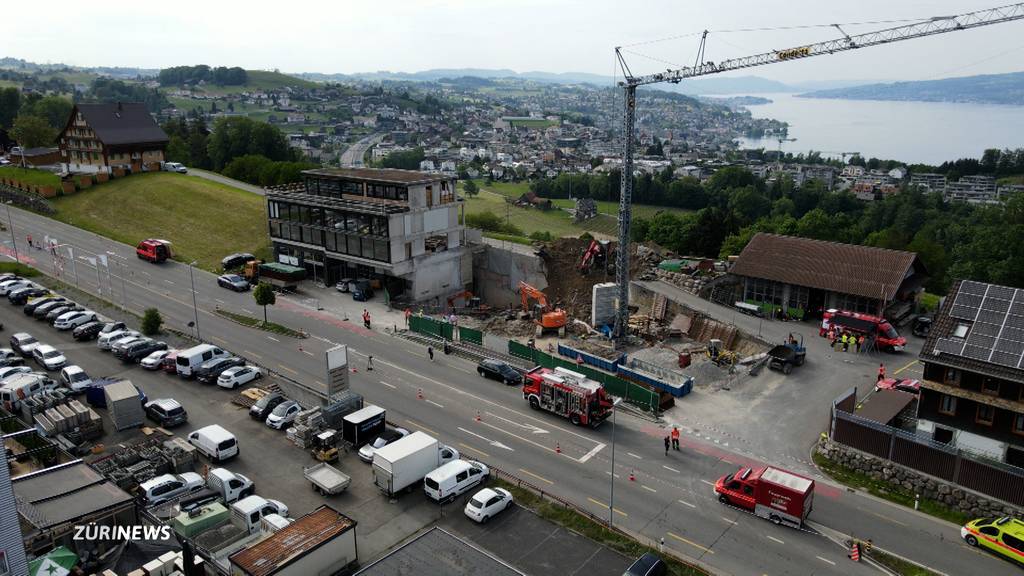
345 403
124 405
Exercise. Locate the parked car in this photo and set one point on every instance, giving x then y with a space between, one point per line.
383 439
23 295
9 357
500 371
74 378
233 282
209 371
487 503
23 343
903 384
236 260
40 311
138 350
265 405
10 285
106 340
69 320
57 312
112 326
30 307
361 290
166 411
170 363
120 346
154 359
49 357
8 371
175 167
237 375
169 486
87 331
283 414
647 565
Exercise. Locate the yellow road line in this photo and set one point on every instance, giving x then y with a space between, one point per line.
883 517
690 542
468 447
219 339
421 427
250 353
283 367
538 477
909 364
605 506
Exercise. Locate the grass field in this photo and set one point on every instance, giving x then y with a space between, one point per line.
204 220
30 176
527 219
262 80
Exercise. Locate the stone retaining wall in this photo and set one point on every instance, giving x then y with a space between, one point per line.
911 481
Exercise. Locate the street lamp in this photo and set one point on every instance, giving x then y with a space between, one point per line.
611 497
10 223
195 307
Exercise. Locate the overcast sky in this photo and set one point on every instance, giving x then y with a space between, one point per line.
523 35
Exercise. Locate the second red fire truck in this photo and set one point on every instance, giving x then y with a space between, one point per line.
569 394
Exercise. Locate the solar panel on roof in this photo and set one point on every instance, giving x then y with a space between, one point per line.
947 346
985 329
1001 292
971 287
976 353
962 312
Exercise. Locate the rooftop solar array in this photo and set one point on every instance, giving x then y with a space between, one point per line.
995 315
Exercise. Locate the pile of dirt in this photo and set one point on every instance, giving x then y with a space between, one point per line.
512 328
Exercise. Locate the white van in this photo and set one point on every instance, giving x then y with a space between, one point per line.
18 387
190 359
454 478
215 442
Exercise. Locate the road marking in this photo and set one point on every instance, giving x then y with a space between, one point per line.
635 456
494 443
168 281
253 354
220 301
774 539
684 503
530 427
706 482
690 542
219 339
825 560
434 403
730 521
468 447
274 339
537 476
246 311
591 454
307 352
648 488
320 384
605 506
883 517
610 474
670 469
392 386
421 426
283 367
909 364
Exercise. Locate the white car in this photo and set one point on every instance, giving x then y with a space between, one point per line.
75 378
284 414
69 320
486 503
383 439
237 375
9 285
24 343
175 167
154 360
8 371
169 486
106 341
49 357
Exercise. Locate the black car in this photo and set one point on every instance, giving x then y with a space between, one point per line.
88 331
166 411
31 306
52 315
209 371
498 370
264 406
647 565
236 260
233 282
140 350
42 310
19 297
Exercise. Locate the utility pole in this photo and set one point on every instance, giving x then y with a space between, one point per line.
195 306
10 224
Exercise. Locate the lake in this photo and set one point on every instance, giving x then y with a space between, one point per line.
925 132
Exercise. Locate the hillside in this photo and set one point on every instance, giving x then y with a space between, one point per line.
1005 89
267 80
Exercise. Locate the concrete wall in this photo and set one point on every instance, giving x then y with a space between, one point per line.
497 273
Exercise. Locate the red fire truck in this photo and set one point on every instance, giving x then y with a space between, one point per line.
885 336
569 394
772 493
154 250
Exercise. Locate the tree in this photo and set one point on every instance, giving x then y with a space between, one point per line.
10 103
54 109
471 188
177 150
151 321
33 131
265 296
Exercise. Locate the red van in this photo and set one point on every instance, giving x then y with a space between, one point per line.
154 250
886 337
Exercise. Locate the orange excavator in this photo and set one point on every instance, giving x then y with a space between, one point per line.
546 317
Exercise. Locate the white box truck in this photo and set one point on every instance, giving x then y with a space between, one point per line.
403 463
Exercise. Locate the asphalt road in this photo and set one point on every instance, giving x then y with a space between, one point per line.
353 156
656 496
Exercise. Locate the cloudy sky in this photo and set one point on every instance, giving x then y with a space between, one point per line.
523 35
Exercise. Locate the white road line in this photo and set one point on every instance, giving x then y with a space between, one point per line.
648 488
434 403
392 386
219 300
307 352
684 503
774 539
825 560
635 456
591 454
246 311
274 339
168 281
708 483
670 469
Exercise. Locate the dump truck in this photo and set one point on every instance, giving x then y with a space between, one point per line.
769 492
402 464
569 394
280 276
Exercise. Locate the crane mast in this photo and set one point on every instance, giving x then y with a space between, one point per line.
929 27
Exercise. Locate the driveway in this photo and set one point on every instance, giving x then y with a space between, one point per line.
225 180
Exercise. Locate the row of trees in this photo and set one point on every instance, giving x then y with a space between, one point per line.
232 137
222 76
405 160
32 119
262 171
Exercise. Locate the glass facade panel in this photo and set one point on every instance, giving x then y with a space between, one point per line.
341 231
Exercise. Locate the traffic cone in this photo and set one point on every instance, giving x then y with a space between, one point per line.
477 415
354 370
419 393
855 552
558 448
632 476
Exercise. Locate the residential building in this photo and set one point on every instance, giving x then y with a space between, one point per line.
12 548
929 181
803 276
102 137
972 395
399 227
977 189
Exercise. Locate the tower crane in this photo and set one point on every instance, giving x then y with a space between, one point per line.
928 27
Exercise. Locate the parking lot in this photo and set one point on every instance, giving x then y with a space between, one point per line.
275 464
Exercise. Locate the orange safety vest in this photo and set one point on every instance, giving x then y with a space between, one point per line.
881 371
675 433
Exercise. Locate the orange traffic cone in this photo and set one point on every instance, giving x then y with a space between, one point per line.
477 415
419 393
855 552
632 476
558 448
354 370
